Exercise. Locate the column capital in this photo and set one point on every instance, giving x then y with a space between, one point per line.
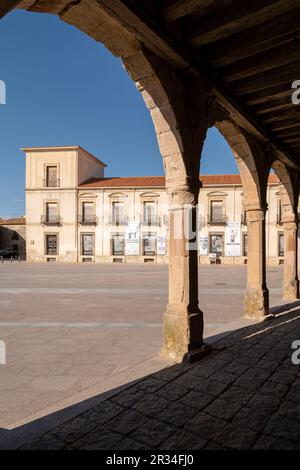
256 208
183 190
256 215
290 224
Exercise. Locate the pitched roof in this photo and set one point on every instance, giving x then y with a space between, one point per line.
159 181
15 221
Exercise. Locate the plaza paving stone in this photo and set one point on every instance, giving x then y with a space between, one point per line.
226 401
61 385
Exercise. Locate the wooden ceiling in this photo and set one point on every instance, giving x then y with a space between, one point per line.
249 48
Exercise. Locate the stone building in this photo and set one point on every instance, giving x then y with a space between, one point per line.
13 235
75 214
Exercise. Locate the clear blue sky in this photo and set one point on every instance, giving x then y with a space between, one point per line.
65 89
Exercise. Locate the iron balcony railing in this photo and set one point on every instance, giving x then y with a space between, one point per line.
151 221
88 220
53 220
216 220
118 221
51 183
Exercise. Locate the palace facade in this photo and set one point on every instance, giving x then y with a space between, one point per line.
75 214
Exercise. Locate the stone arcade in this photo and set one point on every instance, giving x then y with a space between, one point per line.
199 64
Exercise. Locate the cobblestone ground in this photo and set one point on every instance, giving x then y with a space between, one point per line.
245 395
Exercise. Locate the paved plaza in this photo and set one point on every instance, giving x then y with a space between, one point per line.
78 336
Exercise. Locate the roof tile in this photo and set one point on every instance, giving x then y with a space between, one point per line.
159 181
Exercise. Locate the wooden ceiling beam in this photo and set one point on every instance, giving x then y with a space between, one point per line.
285 125
269 94
238 18
182 8
262 62
265 36
270 110
261 81
283 115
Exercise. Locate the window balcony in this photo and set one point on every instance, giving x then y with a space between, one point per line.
53 220
151 221
118 221
88 220
51 183
216 220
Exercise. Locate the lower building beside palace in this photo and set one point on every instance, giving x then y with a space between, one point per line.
76 214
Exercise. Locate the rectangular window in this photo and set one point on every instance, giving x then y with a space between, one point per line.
245 244
51 245
281 244
118 213
149 244
51 177
51 212
87 244
150 213
216 244
216 211
118 244
87 212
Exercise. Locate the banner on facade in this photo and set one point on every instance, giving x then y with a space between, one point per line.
233 239
132 240
161 245
203 245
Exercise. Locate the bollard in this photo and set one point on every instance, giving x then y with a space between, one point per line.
11 259
2 259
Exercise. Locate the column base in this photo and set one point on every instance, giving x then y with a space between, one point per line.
257 304
290 290
183 336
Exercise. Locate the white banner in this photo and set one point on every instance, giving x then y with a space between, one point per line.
233 239
132 240
203 245
161 245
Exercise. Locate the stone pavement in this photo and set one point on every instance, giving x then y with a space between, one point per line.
76 331
245 395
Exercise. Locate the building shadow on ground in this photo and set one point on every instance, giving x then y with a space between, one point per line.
244 395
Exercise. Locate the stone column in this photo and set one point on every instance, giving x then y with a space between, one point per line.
257 296
183 320
290 280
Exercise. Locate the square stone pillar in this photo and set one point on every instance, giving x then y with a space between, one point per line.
257 296
290 284
183 320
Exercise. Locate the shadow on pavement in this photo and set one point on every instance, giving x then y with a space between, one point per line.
245 395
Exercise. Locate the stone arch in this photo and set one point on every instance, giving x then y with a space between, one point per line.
252 162
254 166
288 189
289 195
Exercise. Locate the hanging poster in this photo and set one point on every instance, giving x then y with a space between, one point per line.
161 245
203 245
233 239
132 240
